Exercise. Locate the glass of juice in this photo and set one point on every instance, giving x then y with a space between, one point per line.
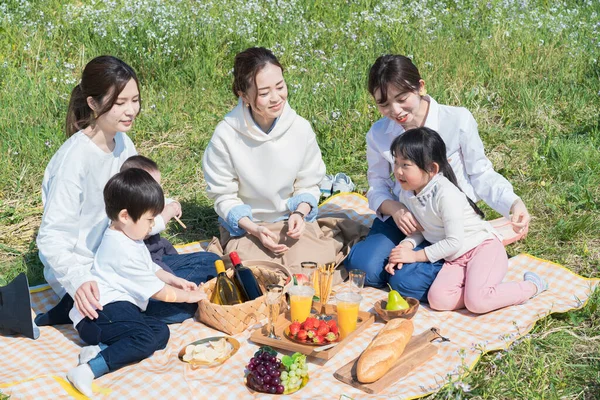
347 312
300 302
273 300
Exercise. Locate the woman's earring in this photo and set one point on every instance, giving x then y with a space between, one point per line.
247 105
95 115
422 92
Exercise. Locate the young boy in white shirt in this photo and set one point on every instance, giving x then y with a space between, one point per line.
127 278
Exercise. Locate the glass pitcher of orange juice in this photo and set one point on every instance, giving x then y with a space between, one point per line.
347 312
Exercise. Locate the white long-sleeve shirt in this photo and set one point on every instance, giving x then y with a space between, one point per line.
74 218
449 222
464 148
262 176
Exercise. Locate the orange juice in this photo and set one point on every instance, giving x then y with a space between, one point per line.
347 312
300 302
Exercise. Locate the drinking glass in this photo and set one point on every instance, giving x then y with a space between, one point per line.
309 268
273 300
300 302
347 311
357 280
325 278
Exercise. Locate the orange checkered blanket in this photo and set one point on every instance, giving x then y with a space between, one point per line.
37 369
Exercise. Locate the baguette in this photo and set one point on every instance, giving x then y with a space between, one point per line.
385 349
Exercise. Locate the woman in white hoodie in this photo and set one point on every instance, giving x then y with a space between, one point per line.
263 167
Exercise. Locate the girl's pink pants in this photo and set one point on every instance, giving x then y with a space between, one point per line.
474 281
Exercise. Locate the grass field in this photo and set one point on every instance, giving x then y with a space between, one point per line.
528 70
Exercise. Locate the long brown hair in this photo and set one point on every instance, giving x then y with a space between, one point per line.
396 70
247 65
103 79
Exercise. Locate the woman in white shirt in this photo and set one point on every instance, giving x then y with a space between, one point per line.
262 169
399 91
102 108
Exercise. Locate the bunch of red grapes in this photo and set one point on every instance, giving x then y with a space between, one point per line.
265 372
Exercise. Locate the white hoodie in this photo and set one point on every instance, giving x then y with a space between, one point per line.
269 174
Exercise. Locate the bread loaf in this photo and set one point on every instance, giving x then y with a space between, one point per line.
383 352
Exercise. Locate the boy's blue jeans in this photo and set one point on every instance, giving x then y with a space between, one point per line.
125 334
371 255
194 267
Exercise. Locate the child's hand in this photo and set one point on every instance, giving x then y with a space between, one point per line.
403 255
183 284
197 295
171 210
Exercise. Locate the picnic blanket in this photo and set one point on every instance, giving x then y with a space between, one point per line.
37 369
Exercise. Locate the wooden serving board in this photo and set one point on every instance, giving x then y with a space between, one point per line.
418 350
259 336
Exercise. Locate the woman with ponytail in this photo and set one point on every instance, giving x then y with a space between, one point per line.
475 259
101 110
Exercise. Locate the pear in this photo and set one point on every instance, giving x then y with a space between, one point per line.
395 301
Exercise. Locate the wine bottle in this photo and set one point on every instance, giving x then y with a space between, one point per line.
225 292
244 278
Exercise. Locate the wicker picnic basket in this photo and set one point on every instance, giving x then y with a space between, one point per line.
235 319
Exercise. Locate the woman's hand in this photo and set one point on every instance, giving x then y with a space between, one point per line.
406 222
519 216
171 210
296 225
87 299
269 240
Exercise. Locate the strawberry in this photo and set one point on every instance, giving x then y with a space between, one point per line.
331 337
334 329
294 328
318 339
331 323
309 323
323 330
311 333
302 334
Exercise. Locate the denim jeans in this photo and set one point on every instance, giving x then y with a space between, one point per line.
194 267
127 335
371 255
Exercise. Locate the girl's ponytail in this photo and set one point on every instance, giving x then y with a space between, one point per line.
79 112
424 146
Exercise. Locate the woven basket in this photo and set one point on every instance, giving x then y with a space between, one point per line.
236 318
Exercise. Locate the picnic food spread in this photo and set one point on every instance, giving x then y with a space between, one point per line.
208 352
384 350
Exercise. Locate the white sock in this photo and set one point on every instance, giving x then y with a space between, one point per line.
82 377
87 353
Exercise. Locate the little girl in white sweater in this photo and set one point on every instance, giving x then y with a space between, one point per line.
475 259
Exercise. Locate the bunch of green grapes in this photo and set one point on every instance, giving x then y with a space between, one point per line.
295 372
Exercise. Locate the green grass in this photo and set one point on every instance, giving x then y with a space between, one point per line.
528 70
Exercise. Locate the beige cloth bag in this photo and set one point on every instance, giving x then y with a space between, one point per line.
327 240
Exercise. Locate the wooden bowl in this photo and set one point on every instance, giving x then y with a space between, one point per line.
407 313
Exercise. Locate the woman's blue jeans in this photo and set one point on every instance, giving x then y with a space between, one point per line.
371 255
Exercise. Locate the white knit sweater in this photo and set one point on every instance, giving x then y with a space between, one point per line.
245 166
